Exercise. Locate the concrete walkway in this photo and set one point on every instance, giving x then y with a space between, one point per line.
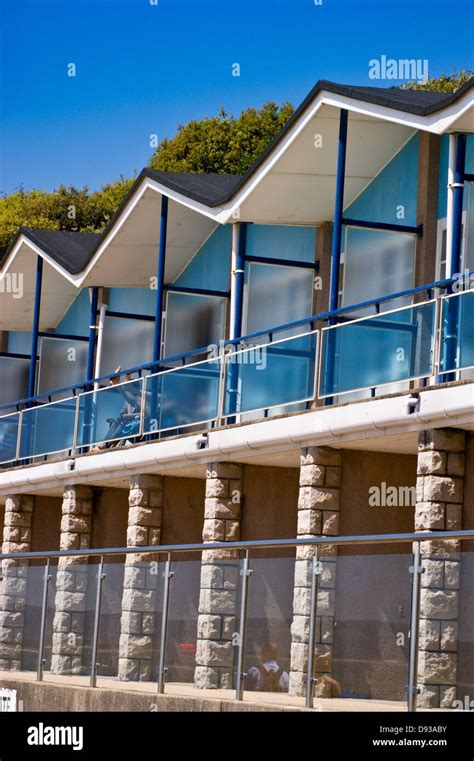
58 692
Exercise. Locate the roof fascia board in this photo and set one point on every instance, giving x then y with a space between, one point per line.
24 240
431 123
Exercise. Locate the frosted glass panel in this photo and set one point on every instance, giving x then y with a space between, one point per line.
379 350
62 363
377 262
8 437
193 321
277 295
128 343
48 428
457 336
13 380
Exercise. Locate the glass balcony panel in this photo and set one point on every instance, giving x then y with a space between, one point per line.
111 414
183 612
183 397
364 657
273 375
267 653
376 351
457 335
20 627
9 427
48 428
110 616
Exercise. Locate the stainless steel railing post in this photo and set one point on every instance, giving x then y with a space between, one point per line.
416 569
167 576
44 604
315 574
98 603
245 574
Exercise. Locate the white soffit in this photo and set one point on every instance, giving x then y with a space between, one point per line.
130 258
58 293
301 184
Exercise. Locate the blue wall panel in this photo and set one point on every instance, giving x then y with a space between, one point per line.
210 266
395 185
282 242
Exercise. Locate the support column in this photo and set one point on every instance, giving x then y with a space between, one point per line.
318 515
441 462
13 583
219 578
141 579
71 583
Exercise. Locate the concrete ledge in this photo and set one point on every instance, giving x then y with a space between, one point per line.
72 693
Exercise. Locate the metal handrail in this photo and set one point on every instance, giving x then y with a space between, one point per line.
232 342
403 538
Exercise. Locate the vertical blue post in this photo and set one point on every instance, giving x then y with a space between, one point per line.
336 246
238 284
160 279
458 191
92 333
239 280
452 305
152 412
35 328
338 210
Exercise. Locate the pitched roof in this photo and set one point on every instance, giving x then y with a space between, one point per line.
72 250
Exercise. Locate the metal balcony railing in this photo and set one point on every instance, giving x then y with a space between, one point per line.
252 378
364 592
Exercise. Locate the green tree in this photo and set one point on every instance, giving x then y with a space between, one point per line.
222 144
444 83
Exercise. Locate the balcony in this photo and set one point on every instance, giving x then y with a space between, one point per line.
286 368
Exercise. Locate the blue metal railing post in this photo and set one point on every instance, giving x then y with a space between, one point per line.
89 406
160 279
92 333
452 307
238 276
336 245
35 328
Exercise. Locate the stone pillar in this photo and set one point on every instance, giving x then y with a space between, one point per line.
219 577
141 578
71 583
13 573
318 515
441 461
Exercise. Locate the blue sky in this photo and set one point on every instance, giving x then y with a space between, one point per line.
143 69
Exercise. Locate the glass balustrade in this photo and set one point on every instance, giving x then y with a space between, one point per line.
9 428
457 332
110 415
272 375
205 617
379 350
48 428
182 397
254 380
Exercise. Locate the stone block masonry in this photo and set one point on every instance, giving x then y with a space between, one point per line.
141 579
14 579
440 486
219 578
72 579
318 515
